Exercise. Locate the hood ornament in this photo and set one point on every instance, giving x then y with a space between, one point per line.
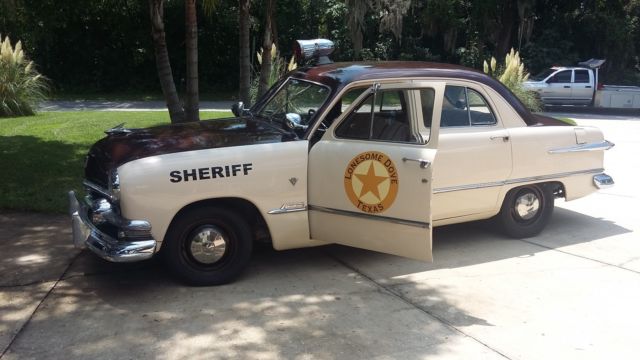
117 130
293 181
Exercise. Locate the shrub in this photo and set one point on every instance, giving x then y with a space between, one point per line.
21 86
279 67
513 74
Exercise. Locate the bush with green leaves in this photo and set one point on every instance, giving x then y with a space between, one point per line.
21 86
513 74
279 67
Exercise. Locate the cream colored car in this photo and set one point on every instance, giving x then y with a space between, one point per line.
370 155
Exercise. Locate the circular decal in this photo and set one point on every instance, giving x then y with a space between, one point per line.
371 182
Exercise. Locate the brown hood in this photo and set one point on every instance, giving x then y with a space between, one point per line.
123 145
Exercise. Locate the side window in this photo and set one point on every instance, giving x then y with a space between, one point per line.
382 116
561 77
581 76
479 111
463 106
345 101
358 124
454 107
351 96
427 99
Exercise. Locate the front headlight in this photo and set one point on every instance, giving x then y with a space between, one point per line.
114 184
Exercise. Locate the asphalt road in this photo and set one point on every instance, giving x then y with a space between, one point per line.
570 293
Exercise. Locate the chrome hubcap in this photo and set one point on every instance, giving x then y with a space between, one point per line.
527 206
208 244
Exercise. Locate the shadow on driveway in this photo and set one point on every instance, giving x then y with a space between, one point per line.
288 304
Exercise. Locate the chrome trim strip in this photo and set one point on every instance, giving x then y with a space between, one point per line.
424 225
288 208
554 176
515 181
603 145
467 187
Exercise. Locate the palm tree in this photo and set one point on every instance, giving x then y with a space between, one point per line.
163 65
190 111
245 59
191 107
267 44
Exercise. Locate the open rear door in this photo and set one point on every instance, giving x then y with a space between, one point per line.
370 176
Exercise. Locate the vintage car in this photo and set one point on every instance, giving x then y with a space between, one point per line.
369 155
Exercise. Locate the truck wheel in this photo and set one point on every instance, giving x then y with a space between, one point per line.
208 246
526 211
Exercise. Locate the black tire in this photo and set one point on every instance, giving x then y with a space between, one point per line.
518 217
190 254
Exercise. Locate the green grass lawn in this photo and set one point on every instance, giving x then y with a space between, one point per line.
42 156
134 95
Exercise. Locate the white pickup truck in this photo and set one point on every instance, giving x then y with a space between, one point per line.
579 86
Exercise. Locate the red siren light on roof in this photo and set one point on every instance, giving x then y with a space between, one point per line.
316 49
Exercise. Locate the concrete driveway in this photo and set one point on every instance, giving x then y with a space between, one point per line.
571 293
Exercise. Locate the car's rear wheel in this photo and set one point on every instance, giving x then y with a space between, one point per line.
526 211
208 246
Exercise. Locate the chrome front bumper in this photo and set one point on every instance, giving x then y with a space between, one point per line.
603 181
87 235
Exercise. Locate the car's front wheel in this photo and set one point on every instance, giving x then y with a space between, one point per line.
526 211
208 246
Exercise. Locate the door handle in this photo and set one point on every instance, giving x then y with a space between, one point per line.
423 163
504 138
588 87
567 86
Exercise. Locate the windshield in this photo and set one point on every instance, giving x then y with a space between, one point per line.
295 96
543 75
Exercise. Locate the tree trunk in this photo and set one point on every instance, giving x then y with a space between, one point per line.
156 12
245 57
507 21
191 103
355 23
267 44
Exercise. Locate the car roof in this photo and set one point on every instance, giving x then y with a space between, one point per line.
347 72
569 68
338 75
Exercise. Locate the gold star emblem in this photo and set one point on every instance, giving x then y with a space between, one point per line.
370 182
365 188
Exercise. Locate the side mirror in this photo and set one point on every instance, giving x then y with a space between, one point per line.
238 108
294 122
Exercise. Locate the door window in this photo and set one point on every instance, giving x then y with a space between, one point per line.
463 106
581 76
383 116
338 108
561 77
